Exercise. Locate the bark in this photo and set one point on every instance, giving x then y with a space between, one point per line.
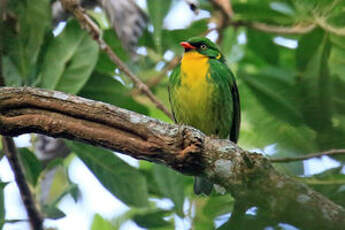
247 176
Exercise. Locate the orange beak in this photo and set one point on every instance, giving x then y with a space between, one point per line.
187 45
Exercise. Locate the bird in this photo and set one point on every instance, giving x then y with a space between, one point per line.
203 94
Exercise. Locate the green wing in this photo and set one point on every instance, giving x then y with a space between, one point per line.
221 72
174 80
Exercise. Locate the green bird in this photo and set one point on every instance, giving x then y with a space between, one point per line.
203 94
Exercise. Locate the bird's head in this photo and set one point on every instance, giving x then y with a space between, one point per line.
203 46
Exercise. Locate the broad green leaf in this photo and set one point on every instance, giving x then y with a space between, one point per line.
24 38
262 12
274 89
99 223
157 11
152 219
307 47
336 64
105 88
69 60
52 212
201 220
124 181
229 40
10 72
58 186
32 166
315 89
171 184
262 45
260 128
218 205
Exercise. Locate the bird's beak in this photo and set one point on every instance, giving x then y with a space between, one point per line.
187 45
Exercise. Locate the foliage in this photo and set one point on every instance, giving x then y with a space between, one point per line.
292 89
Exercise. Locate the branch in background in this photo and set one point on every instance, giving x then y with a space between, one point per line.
86 22
249 177
155 80
27 197
322 22
296 29
332 152
227 15
225 7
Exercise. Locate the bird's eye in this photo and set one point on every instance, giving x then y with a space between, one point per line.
203 46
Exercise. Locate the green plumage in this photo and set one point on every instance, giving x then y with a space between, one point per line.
203 94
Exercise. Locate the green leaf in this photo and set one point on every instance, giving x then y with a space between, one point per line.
152 219
276 93
229 40
260 129
69 60
262 45
52 212
57 185
32 166
11 74
261 11
157 11
336 64
99 223
124 181
218 205
104 88
24 39
315 89
307 47
171 185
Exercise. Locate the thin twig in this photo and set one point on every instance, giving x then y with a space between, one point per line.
86 22
296 29
322 22
225 7
35 217
226 20
331 152
155 80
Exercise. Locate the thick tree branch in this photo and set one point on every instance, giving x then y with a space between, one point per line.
28 200
247 176
86 22
332 152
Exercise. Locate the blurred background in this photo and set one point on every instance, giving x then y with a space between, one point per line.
288 57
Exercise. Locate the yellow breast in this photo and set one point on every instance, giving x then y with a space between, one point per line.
194 93
194 67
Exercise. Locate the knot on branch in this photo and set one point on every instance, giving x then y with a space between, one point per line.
189 154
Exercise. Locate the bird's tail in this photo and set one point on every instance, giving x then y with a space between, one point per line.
202 186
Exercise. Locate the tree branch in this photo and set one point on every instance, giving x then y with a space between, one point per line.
86 22
332 152
227 12
247 176
28 200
